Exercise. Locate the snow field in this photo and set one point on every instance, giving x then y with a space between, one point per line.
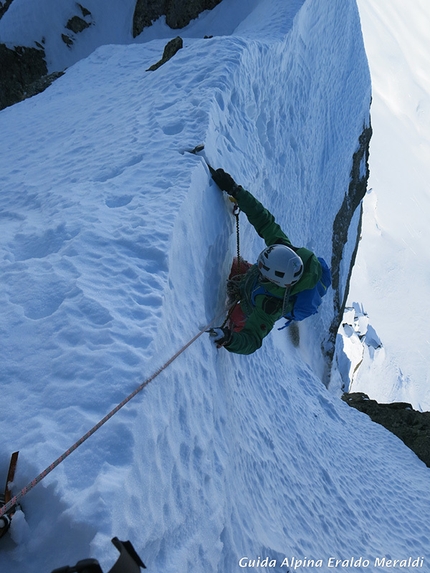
115 251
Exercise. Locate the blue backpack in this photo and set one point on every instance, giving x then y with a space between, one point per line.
307 302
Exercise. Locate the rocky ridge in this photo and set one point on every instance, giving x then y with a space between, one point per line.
411 426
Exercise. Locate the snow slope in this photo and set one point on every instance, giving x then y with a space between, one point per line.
115 246
391 277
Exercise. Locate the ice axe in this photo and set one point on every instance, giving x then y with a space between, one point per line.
197 149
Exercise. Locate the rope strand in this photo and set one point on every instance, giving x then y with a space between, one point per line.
13 502
236 212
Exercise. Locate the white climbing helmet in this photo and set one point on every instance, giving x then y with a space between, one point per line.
280 265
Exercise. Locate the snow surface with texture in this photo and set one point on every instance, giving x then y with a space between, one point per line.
115 248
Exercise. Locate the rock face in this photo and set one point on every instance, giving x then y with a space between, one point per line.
77 24
23 70
411 426
4 7
341 227
19 68
179 13
169 51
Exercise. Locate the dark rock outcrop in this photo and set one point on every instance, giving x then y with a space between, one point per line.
19 68
411 426
341 227
23 70
146 12
179 13
41 84
170 50
77 24
4 7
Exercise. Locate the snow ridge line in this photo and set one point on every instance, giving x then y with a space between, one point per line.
13 502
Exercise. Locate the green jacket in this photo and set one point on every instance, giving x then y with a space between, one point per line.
266 310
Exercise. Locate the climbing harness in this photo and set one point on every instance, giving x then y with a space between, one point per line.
10 504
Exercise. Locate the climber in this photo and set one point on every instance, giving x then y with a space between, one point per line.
285 282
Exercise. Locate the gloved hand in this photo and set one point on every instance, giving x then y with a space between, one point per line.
220 336
225 182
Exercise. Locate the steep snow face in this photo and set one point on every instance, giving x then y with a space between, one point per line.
115 247
391 278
